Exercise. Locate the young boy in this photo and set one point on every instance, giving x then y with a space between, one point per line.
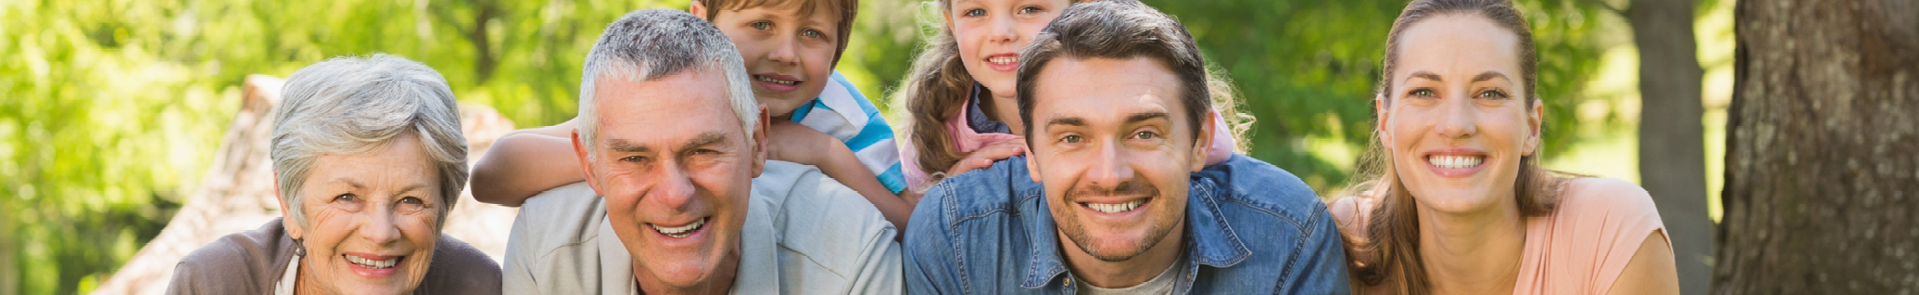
820 119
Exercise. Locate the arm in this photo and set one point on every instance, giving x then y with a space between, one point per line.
1651 270
1323 258
525 162
929 252
792 142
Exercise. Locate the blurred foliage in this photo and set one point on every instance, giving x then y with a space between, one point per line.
113 108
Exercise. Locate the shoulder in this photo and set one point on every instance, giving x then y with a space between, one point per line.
459 268
1253 183
1351 212
819 218
563 215
1605 198
256 258
994 189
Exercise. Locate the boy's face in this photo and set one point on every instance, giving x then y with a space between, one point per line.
789 56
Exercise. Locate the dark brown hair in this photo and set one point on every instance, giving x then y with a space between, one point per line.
1387 251
1118 29
847 9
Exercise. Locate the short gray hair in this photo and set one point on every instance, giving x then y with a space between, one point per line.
349 105
647 45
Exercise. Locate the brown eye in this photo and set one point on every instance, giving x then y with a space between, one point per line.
412 201
1422 93
1071 139
1146 135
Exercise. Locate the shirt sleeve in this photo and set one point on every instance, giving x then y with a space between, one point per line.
1324 259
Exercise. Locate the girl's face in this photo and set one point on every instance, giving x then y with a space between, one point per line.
992 32
1458 122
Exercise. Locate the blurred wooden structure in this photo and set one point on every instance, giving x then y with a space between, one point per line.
237 194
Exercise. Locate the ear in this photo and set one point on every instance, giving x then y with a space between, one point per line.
1379 111
946 17
1032 160
698 10
1203 142
759 141
293 230
1535 118
586 161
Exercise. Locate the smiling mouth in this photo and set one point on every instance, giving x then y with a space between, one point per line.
764 78
1456 161
1114 208
680 231
372 264
1003 60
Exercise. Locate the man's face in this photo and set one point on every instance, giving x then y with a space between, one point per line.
1112 147
676 169
789 56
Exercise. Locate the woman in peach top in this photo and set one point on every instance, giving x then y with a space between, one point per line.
1458 203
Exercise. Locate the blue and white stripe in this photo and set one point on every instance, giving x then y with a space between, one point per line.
865 131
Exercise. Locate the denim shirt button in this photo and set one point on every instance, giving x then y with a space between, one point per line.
1068 283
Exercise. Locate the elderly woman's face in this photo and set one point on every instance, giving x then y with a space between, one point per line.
371 219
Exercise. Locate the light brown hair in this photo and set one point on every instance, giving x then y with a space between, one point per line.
847 9
1386 253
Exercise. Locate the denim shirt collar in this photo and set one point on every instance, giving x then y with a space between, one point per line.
976 118
1209 240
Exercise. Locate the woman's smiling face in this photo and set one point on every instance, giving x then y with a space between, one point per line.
992 32
372 219
1458 120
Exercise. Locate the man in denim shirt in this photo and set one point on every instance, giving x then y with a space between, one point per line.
1118 117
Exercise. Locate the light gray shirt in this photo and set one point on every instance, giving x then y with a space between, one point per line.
804 234
1160 284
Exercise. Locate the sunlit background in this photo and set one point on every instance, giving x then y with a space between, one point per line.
113 109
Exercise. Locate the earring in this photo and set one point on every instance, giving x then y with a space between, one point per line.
299 248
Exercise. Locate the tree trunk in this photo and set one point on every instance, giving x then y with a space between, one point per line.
1821 175
1672 151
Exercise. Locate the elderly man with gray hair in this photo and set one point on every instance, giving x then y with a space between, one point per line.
679 197
369 160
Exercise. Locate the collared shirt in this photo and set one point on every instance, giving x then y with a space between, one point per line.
844 113
1251 228
804 234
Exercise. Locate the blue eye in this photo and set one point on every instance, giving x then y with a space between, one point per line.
1029 10
762 25
811 34
975 12
412 201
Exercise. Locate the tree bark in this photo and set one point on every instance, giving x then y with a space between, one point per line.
1821 176
1672 151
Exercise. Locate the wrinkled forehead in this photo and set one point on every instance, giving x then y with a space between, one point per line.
674 107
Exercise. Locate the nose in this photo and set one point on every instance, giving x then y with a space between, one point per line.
784 52
1002 30
674 190
1110 167
380 228
1457 121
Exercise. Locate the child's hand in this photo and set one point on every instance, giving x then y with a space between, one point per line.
789 141
985 156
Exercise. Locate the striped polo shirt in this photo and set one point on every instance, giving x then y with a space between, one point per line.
844 113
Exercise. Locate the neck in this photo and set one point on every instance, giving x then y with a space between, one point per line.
720 282
1474 252
1004 109
303 281
1127 273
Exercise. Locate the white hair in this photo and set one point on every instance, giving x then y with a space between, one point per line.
647 45
349 106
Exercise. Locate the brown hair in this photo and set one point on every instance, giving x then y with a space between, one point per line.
938 84
844 29
1387 251
1118 29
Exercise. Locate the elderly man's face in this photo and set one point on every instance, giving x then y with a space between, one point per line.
371 219
1113 147
676 170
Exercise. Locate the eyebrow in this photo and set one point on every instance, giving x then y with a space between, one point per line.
1143 116
357 186
703 139
1489 75
621 145
1424 74
1069 121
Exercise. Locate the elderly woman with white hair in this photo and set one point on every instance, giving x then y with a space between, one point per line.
369 160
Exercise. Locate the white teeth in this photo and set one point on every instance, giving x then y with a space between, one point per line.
1004 60
1115 208
373 264
679 231
1448 161
764 78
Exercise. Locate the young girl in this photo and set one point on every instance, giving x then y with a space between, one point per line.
959 97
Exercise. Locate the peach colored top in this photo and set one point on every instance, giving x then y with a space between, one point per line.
1583 246
1580 248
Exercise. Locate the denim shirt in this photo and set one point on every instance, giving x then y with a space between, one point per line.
1251 228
